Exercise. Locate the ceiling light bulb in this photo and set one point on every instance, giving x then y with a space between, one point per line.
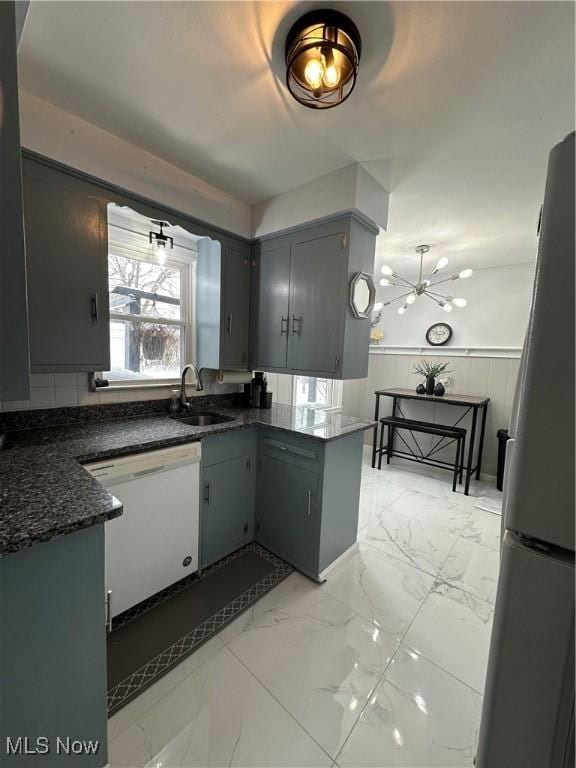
386 270
466 273
385 282
402 309
441 263
331 76
459 302
314 72
161 256
378 306
447 307
411 299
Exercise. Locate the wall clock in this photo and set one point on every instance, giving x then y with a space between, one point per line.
438 334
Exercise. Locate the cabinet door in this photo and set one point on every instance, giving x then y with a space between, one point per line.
228 507
318 285
66 254
272 322
286 516
14 368
236 307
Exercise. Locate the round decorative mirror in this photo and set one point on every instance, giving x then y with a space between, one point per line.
362 294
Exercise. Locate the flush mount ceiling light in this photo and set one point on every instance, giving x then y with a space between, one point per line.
322 57
424 287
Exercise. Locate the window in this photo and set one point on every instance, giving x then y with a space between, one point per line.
150 302
317 393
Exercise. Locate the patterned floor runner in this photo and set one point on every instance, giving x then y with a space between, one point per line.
149 640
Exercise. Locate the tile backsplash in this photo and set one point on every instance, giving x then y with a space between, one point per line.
53 390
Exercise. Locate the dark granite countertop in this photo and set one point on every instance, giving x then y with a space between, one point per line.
45 492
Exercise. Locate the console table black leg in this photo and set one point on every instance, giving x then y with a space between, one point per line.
481 445
471 452
391 432
375 439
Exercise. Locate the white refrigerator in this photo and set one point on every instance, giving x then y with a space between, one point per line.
528 710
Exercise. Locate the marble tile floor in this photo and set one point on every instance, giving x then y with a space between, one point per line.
382 665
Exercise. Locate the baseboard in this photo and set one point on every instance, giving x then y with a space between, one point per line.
340 559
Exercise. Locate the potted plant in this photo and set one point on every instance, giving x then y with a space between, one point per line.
430 371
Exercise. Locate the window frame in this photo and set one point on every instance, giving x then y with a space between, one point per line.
182 258
335 403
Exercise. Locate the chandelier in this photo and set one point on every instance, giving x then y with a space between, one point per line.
424 287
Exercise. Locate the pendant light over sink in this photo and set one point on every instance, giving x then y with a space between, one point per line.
160 241
322 56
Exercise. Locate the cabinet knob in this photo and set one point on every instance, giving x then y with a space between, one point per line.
282 329
296 330
309 509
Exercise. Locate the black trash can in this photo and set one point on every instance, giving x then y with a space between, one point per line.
503 438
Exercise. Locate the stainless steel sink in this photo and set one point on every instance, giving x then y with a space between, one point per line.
202 418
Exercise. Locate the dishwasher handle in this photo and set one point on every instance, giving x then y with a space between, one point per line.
149 471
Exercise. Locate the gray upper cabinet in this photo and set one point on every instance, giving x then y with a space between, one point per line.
318 276
223 305
66 244
236 309
303 320
14 368
272 318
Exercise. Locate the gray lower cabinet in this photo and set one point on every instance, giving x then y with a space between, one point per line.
228 494
287 516
307 498
53 650
302 320
296 496
67 267
223 304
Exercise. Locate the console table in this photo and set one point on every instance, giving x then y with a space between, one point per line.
472 404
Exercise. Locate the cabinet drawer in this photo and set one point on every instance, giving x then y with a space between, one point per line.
228 445
305 453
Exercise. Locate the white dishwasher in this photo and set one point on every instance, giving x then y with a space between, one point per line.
155 541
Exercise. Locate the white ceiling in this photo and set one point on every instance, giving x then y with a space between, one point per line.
456 107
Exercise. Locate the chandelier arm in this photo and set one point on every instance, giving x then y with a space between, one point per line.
402 296
438 282
441 295
432 298
398 277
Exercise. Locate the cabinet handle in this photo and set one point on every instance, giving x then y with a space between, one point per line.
296 331
94 304
282 330
230 324
207 493
109 611
309 510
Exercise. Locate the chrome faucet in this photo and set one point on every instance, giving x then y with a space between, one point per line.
189 367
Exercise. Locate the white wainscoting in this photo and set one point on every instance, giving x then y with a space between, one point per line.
494 377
